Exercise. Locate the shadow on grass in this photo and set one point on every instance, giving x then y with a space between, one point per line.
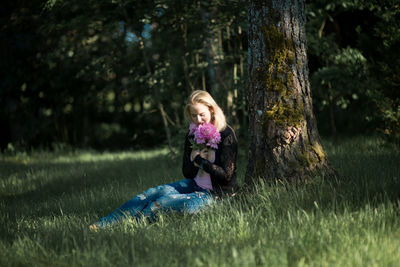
368 179
368 175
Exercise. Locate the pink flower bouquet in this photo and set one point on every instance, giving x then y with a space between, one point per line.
204 135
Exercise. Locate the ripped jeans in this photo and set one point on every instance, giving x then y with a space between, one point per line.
181 196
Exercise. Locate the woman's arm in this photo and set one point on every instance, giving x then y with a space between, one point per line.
188 168
225 172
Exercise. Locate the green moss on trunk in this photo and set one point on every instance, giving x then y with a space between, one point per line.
283 115
280 54
278 78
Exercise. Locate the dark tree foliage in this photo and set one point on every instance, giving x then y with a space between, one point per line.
116 73
354 65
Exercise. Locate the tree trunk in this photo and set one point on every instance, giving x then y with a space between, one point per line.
284 140
213 49
189 85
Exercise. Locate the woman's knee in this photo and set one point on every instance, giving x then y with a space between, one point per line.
155 206
190 203
165 201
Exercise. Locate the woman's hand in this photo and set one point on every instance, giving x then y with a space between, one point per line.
211 155
194 154
204 153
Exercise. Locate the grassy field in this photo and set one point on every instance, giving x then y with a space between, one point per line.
47 201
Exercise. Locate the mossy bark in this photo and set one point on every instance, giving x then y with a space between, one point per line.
284 140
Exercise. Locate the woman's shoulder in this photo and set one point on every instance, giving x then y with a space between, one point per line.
228 131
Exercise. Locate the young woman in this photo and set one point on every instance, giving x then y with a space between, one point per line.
209 173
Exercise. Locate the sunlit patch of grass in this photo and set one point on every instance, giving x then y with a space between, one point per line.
79 156
26 181
53 172
110 156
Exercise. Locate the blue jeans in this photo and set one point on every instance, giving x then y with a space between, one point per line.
181 196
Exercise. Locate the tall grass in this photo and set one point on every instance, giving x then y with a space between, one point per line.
48 200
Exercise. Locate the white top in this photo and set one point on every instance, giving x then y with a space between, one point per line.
203 178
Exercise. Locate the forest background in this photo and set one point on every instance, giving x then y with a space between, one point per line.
115 74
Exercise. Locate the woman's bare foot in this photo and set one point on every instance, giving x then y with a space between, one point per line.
93 228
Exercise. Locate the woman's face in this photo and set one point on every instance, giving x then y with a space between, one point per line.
200 114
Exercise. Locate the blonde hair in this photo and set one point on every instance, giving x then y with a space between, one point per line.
203 97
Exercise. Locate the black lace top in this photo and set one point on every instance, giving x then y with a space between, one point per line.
223 170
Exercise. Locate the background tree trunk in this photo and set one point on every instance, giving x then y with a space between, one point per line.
284 140
211 47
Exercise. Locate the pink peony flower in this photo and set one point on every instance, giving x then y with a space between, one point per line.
192 128
204 135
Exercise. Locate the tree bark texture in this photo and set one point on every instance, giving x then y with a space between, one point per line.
211 45
284 140
214 54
